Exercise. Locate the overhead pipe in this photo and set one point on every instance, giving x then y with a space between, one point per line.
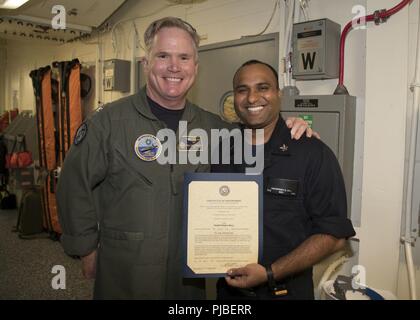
296 19
379 16
287 39
292 16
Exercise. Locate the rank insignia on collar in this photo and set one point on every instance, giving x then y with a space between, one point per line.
148 147
284 148
80 134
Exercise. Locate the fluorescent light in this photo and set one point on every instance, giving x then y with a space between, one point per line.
12 4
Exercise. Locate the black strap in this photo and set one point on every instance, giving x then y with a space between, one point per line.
273 286
14 145
61 69
35 82
20 138
41 130
16 229
270 278
69 71
70 66
65 68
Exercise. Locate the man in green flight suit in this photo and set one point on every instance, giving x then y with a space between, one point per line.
119 208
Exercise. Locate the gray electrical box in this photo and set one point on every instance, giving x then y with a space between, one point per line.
334 118
316 50
117 75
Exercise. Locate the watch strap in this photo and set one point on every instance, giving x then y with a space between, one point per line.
275 289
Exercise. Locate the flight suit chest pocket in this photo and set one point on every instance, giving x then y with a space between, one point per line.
132 167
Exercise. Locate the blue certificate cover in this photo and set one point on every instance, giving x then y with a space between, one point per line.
222 216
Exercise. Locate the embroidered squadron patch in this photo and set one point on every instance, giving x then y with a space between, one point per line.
80 134
148 147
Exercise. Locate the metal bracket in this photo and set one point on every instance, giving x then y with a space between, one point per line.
379 16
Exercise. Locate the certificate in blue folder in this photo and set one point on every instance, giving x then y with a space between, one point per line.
222 222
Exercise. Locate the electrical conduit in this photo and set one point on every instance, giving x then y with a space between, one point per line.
287 38
378 16
408 239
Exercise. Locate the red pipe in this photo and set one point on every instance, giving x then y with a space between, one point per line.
379 16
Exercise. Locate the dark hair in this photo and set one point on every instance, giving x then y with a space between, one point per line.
254 61
169 22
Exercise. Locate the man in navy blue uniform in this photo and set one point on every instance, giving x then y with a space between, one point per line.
305 208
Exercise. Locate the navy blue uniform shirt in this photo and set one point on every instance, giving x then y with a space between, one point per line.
304 194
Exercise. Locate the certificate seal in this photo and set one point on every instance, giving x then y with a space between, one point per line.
224 191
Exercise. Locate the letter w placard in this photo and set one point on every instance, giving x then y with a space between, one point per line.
308 58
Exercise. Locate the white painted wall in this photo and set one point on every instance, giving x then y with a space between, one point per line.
21 59
378 69
386 92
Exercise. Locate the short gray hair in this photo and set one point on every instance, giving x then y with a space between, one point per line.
169 22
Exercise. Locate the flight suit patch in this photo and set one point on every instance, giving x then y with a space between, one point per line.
285 187
80 134
190 143
147 147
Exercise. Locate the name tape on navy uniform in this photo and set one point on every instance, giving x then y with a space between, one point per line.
147 147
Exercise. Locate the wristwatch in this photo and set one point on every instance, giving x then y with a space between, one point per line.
276 289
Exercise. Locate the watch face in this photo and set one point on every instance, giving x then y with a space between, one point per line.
227 110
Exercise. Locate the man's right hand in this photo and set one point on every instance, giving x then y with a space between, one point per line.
89 265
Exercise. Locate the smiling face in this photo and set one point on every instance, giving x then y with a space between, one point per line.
257 97
171 67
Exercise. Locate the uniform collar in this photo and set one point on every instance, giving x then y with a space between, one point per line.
279 144
142 106
280 140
